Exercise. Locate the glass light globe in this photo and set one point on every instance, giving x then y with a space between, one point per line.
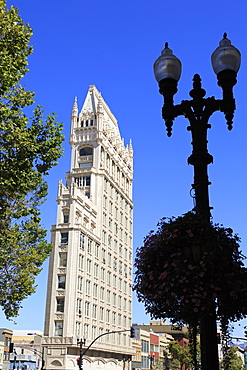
226 56
167 65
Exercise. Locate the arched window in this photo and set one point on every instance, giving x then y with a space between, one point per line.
86 156
86 150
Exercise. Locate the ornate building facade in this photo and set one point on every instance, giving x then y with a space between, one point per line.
90 273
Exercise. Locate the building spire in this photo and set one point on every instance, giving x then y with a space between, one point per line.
75 108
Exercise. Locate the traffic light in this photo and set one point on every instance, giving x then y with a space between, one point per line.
11 347
218 338
78 360
134 332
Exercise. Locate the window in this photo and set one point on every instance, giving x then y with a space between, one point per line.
65 218
125 304
109 259
101 313
97 250
125 270
62 259
120 267
7 341
113 318
58 329
89 245
94 311
61 281
85 151
145 362
120 301
6 356
104 236
104 201
78 329
95 290
102 274
96 270
107 316
81 261
103 255
85 164
120 250
79 283
102 293
94 332
108 296
60 304
101 330
86 330
145 346
88 287
125 286
114 281
89 263
64 238
108 277
79 306
87 309
82 181
114 301
82 240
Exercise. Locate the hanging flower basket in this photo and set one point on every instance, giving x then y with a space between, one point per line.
188 268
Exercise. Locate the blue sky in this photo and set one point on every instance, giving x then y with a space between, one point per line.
113 44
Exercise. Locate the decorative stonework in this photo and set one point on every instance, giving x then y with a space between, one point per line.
98 199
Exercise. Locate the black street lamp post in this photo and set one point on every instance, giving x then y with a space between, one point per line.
167 70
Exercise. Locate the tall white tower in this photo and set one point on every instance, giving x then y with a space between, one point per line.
90 274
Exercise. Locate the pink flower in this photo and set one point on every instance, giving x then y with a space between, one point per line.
162 275
190 233
195 309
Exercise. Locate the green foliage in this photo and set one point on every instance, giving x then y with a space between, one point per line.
180 356
232 361
29 148
14 47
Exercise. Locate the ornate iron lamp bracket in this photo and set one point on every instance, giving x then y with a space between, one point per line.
199 109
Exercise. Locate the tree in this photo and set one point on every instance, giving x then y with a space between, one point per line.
29 148
181 356
232 361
